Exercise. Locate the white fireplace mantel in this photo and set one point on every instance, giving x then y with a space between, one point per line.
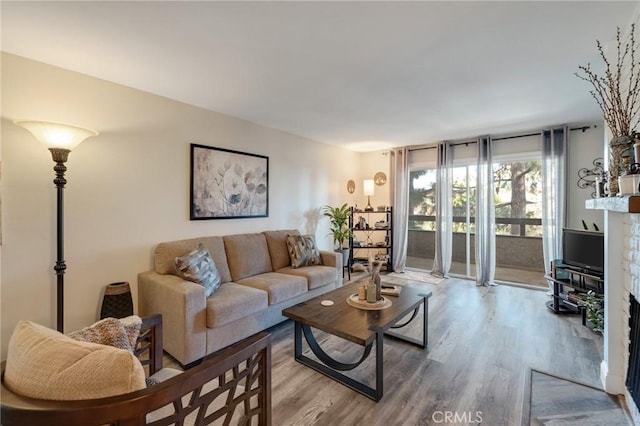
622 278
626 204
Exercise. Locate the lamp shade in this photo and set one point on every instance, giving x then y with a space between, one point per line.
368 186
56 135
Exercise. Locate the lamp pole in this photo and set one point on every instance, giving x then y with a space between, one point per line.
61 138
60 156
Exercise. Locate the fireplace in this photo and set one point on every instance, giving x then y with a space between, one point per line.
633 371
620 368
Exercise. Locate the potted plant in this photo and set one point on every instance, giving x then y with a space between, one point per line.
595 311
617 93
339 219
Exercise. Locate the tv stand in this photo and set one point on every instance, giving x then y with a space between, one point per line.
570 286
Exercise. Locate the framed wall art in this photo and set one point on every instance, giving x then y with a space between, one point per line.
228 184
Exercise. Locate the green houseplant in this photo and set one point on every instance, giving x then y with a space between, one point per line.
595 310
339 220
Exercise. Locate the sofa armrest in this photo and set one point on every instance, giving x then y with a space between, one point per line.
332 258
182 305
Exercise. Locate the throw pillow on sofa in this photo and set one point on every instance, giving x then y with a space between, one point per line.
197 266
303 251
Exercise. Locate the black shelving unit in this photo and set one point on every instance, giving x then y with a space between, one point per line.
372 231
571 284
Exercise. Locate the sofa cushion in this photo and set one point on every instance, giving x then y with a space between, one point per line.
316 276
280 287
119 333
303 250
248 255
165 255
233 301
197 266
278 251
45 364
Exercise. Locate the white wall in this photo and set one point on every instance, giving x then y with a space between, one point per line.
584 147
370 164
128 188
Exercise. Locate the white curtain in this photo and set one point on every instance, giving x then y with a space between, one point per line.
554 186
444 211
399 181
485 215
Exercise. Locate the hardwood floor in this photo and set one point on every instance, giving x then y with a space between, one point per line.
481 341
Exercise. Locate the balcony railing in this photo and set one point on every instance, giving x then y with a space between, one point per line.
522 223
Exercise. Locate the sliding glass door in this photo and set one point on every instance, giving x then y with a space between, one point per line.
518 224
518 212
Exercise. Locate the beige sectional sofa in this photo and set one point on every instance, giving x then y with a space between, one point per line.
258 282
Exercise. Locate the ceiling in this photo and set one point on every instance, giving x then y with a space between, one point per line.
363 75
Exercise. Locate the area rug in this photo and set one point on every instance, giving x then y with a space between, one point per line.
551 400
416 276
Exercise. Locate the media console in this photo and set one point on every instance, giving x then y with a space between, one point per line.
570 286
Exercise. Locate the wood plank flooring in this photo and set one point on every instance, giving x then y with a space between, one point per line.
558 401
481 341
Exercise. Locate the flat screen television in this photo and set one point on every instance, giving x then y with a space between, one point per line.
583 249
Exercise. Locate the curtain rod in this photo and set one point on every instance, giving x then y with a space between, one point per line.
583 129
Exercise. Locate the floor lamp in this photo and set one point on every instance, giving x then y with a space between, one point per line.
61 139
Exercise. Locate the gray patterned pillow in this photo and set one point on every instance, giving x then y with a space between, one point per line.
198 267
303 250
119 333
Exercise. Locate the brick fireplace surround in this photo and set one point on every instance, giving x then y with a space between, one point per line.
622 278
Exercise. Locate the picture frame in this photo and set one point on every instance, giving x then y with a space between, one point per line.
228 184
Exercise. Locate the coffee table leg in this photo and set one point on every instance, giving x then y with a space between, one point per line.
330 367
425 322
425 325
297 340
379 365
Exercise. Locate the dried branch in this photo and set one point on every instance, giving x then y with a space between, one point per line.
620 105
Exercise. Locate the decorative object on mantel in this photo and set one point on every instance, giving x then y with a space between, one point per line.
618 98
590 178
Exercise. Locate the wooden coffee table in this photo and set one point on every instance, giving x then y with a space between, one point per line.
362 327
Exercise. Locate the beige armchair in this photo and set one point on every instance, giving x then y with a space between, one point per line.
232 387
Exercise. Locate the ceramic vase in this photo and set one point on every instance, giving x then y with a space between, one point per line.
619 148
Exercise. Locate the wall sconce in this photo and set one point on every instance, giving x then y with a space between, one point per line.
61 139
368 186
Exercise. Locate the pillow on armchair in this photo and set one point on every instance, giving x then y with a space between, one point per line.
45 364
120 333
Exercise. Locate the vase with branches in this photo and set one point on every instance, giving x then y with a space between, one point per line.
617 93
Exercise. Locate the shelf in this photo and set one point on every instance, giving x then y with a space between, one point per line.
371 237
622 204
581 282
372 211
371 247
